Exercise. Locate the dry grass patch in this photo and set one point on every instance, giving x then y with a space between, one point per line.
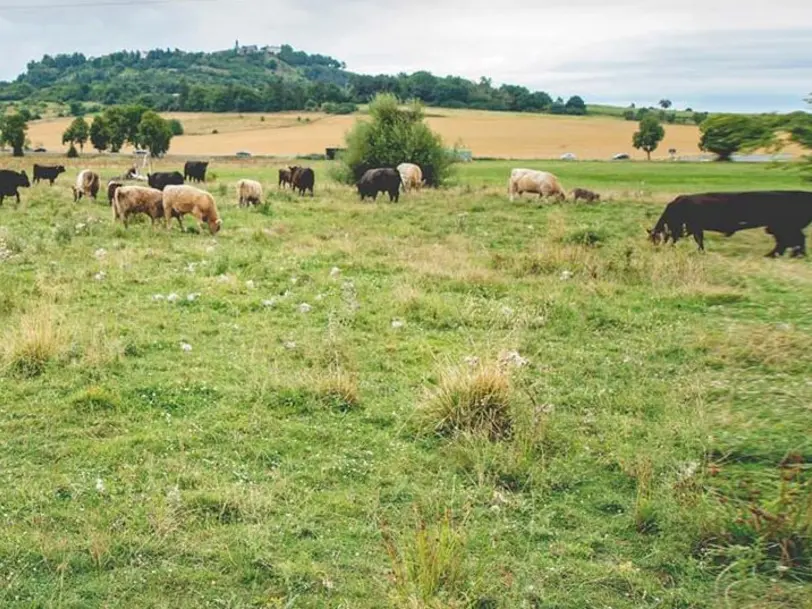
768 345
37 339
470 399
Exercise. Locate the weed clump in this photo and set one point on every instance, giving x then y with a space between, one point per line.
36 341
475 399
95 399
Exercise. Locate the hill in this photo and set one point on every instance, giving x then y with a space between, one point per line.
250 79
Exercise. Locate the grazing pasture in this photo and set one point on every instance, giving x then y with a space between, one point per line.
452 401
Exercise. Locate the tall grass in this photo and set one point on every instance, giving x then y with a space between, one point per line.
37 339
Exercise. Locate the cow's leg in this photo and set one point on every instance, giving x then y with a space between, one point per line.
699 237
17 195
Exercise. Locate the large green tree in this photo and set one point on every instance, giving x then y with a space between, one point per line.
726 134
395 135
100 133
77 133
649 135
13 128
154 134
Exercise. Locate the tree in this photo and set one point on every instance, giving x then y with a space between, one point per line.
76 109
100 133
699 117
392 136
649 135
77 133
154 134
725 134
665 104
176 126
13 128
575 105
117 127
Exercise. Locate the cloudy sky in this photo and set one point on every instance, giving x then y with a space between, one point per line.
740 55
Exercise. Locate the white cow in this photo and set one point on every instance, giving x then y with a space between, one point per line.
411 176
538 182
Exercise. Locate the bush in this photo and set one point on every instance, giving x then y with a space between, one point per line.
72 152
334 108
394 136
176 126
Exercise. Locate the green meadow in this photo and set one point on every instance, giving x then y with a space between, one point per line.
451 402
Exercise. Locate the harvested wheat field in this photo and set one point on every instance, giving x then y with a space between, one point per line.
487 134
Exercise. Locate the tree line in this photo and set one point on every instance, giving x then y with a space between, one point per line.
257 81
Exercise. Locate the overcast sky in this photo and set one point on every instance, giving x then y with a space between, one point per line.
740 55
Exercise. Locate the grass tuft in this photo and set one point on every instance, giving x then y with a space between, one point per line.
37 340
470 399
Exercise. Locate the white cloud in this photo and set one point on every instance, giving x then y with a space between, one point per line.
691 50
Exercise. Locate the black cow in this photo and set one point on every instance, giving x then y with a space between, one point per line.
161 180
784 214
195 171
302 179
10 181
380 180
47 172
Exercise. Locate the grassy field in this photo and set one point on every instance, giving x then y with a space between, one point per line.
450 402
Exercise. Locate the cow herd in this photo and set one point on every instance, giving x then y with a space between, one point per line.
783 214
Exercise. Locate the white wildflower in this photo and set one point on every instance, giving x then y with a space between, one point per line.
508 312
100 486
100 253
305 308
289 345
566 275
192 297
186 347
173 297
157 297
398 324
250 284
269 303
100 276
512 358
335 272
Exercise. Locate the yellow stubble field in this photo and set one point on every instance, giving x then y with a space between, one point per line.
486 134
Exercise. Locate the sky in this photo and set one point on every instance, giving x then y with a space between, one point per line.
715 55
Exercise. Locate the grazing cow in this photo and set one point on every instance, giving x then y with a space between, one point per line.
303 179
538 182
195 171
87 185
380 180
112 187
286 175
131 200
586 195
411 176
784 214
47 172
10 181
161 180
249 192
182 200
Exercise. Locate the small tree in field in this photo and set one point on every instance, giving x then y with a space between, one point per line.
665 104
100 133
154 134
12 132
77 133
649 135
726 134
395 135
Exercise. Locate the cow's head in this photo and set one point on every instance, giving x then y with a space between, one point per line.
60 169
655 236
24 179
215 224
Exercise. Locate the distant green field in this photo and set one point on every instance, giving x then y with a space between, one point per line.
450 402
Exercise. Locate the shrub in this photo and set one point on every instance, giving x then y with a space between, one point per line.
95 399
477 400
72 152
394 136
335 108
176 126
339 390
